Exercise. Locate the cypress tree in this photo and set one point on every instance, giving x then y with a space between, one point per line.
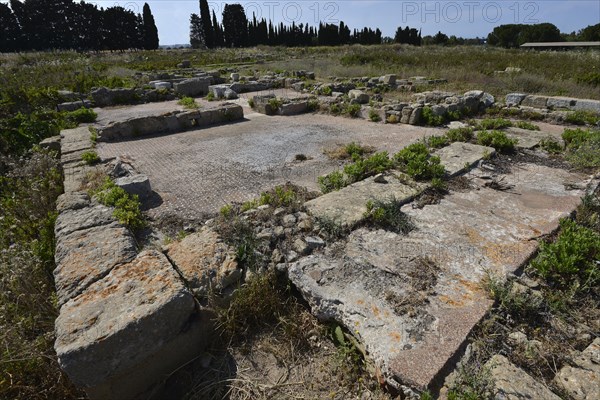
150 30
207 28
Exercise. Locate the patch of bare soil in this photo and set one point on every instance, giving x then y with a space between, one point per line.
268 365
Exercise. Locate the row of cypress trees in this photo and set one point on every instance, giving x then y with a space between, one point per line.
65 24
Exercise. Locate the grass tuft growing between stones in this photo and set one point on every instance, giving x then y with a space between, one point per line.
498 140
189 103
416 161
582 117
388 215
582 147
528 126
493 123
127 208
90 157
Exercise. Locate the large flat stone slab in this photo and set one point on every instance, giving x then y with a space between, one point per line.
348 205
71 220
413 299
85 256
528 139
512 383
582 380
206 263
116 339
458 157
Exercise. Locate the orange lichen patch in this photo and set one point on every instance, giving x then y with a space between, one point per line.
396 336
450 301
360 302
510 253
375 310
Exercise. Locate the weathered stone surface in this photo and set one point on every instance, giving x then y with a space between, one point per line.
192 87
294 108
561 102
535 101
51 143
124 332
416 297
406 113
415 116
74 105
136 185
104 97
85 256
529 139
512 383
358 95
205 262
582 380
72 201
348 205
388 79
459 156
163 85
171 122
72 220
587 105
514 99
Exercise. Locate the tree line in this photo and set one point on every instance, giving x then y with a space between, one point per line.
514 35
65 25
236 30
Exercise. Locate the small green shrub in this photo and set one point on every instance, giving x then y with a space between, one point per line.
416 161
251 103
325 91
429 118
83 115
573 260
188 102
275 103
364 168
582 117
527 125
588 212
210 96
551 146
280 196
90 157
583 147
494 123
332 182
472 382
460 134
226 211
354 150
335 109
313 105
126 207
352 110
374 116
388 215
498 140
93 135
436 142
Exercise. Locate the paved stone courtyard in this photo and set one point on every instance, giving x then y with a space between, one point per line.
200 171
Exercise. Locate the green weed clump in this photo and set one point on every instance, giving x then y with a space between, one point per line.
498 140
583 147
460 134
352 110
551 146
374 116
364 168
189 103
332 182
527 125
573 260
416 161
429 118
90 157
388 215
126 207
582 117
83 115
436 142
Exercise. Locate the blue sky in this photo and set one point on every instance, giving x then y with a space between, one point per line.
461 18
